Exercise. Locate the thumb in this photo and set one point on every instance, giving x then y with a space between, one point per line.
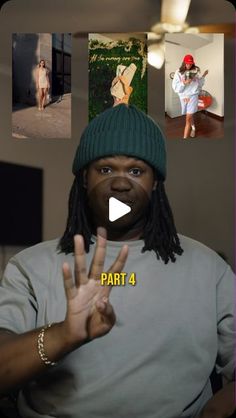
107 312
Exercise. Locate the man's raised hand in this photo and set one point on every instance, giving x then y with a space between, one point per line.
89 312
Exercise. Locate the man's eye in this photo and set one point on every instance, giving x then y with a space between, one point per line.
135 171
105 170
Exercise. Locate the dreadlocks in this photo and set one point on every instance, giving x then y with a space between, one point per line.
159 234
77 222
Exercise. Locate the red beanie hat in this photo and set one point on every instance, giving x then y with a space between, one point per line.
188 59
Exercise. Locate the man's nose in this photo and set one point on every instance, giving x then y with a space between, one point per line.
121 183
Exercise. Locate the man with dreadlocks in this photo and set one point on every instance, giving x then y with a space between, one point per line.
83 350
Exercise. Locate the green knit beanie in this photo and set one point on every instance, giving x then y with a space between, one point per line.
122 130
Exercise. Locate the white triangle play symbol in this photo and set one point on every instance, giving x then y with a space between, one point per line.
117 209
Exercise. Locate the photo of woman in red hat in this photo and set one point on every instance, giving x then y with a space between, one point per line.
187 83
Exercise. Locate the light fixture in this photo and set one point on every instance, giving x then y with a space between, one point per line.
165 27
174 11
156 55
173 15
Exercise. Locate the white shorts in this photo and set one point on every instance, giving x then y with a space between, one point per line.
191 106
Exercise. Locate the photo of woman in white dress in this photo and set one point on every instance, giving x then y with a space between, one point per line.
42 84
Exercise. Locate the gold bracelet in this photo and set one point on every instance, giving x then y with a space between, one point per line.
41 350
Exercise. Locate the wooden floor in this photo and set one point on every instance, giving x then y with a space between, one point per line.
206 127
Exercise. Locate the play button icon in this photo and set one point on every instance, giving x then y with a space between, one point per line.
117 209
118 204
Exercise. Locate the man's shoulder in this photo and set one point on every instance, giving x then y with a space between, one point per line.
42 251
192 246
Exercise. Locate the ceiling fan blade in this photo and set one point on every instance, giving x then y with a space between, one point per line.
226 28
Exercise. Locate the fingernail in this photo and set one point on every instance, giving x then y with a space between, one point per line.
102 232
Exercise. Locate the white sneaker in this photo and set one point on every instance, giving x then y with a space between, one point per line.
193 131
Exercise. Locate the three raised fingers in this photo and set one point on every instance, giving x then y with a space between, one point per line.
97 264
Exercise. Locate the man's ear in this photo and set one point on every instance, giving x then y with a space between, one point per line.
85 179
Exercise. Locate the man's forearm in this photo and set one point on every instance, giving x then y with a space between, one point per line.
19 355
221 405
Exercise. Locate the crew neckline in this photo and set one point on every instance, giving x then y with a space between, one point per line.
117 244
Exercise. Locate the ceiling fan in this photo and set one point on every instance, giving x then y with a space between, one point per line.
173 20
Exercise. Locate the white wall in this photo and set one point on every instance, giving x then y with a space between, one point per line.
211 57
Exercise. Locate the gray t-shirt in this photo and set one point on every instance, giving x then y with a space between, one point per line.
172 327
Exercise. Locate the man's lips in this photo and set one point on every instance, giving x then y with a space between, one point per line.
125 200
